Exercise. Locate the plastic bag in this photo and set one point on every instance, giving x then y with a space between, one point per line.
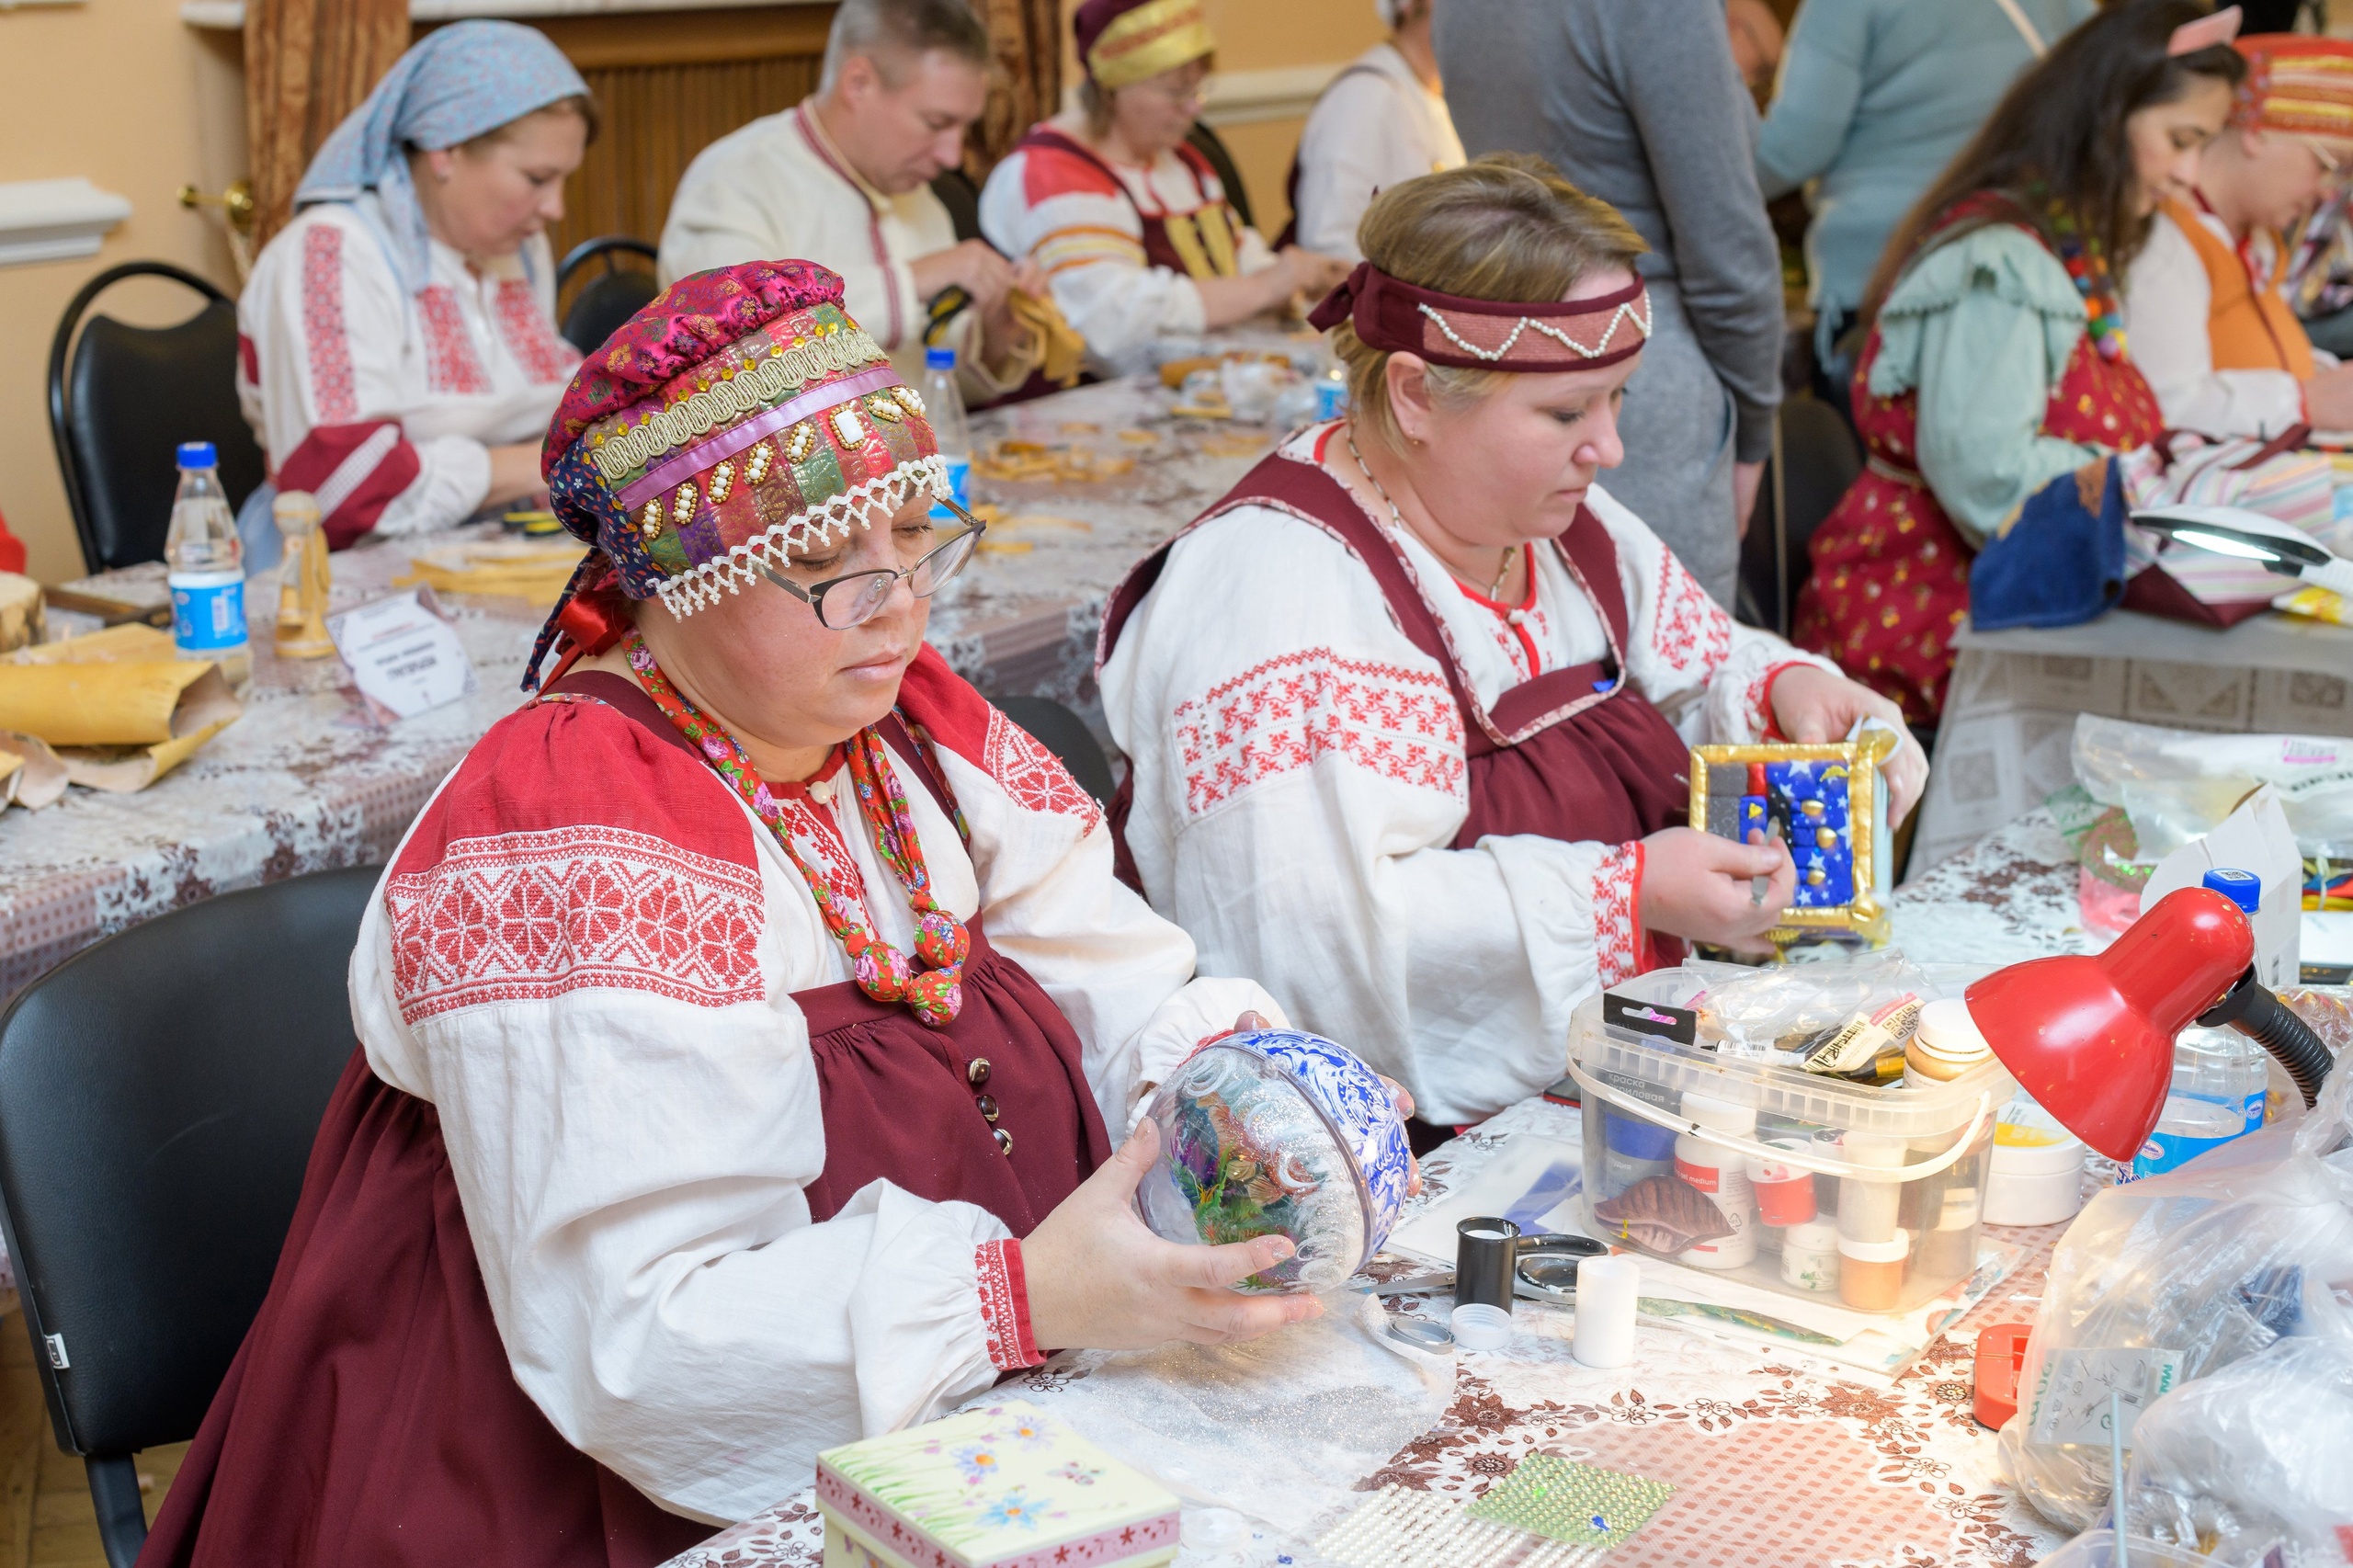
2201 1269
2178 785
1775 1013
2258 1455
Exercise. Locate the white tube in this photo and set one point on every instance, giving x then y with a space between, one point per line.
1606 1287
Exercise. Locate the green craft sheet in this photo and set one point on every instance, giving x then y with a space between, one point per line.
1562 1500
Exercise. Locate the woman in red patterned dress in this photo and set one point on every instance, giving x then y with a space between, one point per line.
1994 382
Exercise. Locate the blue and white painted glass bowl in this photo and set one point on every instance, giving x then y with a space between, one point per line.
1279 1131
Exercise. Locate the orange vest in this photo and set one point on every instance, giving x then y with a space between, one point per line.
2250 329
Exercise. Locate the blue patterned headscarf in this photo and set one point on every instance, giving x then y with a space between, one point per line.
461 81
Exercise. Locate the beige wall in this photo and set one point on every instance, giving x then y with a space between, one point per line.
123 94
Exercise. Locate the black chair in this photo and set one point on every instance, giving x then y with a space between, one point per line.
124 397
1064 733
1814 459
611 297
963 198
1209 145
159 1093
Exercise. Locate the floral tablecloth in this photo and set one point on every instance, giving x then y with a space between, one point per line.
1777 1462
302 783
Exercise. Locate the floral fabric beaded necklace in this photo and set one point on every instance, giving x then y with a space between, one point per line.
935 995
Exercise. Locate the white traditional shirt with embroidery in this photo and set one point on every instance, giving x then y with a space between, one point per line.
584 956
1043 202
779 188
1300 778
383 403
1376 125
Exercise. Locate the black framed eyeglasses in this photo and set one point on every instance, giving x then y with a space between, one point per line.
853 600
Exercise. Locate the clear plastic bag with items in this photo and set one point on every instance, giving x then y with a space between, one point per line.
2165 1281
1780 1013
2178 785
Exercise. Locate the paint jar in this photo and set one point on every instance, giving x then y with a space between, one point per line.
1784 1191
1866 1208
1810 1255
1723 1175
1944 1046
1949 1249
1870 1274
1637 1151
2037 1174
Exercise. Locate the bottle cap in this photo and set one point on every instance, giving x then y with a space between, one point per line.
939 358
2242 888
199 454
1947 1033
1896 1249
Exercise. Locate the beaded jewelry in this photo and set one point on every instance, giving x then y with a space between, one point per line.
935 995
2087 265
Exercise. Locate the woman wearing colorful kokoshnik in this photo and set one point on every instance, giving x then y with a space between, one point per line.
723 1020
1131 221
1993 383
1408 710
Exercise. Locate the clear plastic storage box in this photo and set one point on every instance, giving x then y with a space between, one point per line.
1816 1187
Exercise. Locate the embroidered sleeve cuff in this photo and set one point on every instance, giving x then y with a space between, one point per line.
1762 722
1004 1305
1619 945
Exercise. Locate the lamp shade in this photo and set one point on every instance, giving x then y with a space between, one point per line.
2092 1039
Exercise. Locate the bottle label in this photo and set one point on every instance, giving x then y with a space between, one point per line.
209 611
960 489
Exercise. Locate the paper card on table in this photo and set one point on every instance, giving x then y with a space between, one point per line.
405 659
2070 1398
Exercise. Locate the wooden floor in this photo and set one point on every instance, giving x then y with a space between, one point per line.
46 1520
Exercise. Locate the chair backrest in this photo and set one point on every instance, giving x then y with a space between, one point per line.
963 198
159 1095
1815 459
1209 145
122 398
1064 733
607 300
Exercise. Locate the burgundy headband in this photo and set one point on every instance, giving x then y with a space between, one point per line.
1482 335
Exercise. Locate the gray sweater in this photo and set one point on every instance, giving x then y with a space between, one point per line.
1637 102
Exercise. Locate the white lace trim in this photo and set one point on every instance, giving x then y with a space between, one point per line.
730 573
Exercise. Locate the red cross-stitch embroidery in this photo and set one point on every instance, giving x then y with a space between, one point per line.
1285 713
528 916
529 334
450 362
1004 1305
1688 630
1034 777
323 342
1617 935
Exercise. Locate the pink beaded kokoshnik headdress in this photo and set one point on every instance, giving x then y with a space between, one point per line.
1488 334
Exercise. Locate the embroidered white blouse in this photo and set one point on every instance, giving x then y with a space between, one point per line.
632 1111
1088 236
1300 775
1375 126
779 188
382 403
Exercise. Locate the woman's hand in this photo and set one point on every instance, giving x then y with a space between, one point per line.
1312 273
1100 1281
514 473
1814 706
1702 887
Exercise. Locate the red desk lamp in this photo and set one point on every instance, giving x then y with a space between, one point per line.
2091 1039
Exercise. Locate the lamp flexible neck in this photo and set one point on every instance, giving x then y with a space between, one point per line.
2253 1010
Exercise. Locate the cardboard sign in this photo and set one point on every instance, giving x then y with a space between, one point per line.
2255 838
404 657
2070 1398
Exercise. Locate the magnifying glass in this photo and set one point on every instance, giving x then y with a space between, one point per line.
2280 548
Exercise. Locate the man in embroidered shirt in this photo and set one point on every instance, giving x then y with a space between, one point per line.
845 179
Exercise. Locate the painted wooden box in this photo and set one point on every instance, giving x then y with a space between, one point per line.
1000 1487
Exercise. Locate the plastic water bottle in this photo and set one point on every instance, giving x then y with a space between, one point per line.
945 406
206 566
2217 1095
